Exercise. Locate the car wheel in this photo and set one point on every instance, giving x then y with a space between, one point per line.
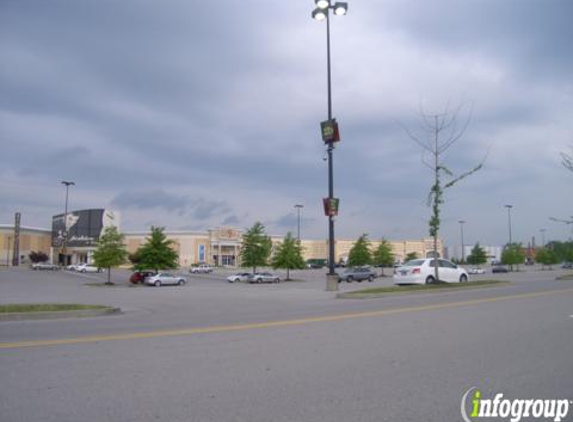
83 271
181 282
463 278
349 279
430 280
277 280
371 278
157 283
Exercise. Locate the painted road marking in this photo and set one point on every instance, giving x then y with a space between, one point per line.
272 324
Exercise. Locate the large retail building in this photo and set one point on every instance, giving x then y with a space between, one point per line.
75 242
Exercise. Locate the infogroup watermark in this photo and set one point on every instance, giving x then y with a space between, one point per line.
474 407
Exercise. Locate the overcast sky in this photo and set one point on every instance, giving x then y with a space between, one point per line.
195 114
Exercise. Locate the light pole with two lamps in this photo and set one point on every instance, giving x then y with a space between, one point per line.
330 135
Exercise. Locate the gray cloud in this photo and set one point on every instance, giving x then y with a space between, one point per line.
203 210
232 220
211 111
151 199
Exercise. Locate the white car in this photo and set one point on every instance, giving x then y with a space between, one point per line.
476 271
239 277
162 279
73 267
421 271
202 268
87 268
45 266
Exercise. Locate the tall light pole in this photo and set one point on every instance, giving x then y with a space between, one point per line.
67 184
462 222
542 237
509 207
330 135
299 208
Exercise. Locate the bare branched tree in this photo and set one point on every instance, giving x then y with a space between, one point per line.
440 133
567 160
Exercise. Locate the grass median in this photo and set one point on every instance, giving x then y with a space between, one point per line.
47 307
423 288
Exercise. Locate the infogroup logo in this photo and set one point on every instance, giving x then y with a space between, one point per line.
513 410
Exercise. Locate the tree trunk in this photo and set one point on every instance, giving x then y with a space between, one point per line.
109 276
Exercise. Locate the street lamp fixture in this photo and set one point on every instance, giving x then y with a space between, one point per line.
340 8
330 135
322 4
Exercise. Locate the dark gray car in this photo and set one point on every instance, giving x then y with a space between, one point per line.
357 274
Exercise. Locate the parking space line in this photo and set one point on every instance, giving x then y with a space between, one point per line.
273 324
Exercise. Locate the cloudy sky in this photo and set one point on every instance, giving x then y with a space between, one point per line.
191 114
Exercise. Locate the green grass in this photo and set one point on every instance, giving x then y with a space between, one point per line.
46 307
424 287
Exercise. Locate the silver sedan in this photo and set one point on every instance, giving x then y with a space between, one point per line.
162 279
263 278
239 277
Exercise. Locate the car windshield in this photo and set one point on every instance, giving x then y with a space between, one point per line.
414 263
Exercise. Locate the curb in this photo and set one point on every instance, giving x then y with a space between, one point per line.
354 295
26 316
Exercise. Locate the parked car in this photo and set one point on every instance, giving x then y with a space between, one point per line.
72 267
315 263
357 274
44 266
239 277
567 265
87 268
161 279
499 269
476 270
263 278
421 271
201 268
139 276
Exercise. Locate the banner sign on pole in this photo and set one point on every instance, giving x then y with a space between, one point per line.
330 206
330 132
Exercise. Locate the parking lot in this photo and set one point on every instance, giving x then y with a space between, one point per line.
249 352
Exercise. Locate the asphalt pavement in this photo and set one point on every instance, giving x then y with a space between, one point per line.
214 351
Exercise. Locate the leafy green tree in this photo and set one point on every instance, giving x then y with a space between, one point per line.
110 251
547 257
477 255
289 255
563 250
513 255
39 256
383 255
360 253
157 252
410 256
256 247
135 259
